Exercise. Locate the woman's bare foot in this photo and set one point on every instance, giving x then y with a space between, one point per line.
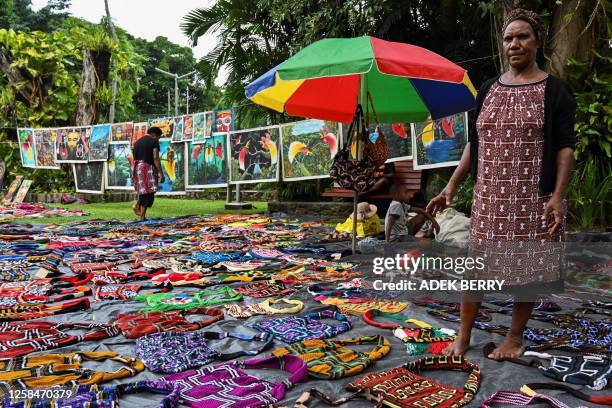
512 347
136 209
457 347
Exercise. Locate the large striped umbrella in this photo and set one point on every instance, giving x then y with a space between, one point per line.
327 79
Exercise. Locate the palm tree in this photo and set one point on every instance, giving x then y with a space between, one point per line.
249 43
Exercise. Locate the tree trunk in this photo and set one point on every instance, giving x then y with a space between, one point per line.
111 110
19 83
86 98
568 36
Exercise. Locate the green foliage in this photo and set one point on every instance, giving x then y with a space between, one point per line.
592 85
590 195
464 197
50 90
151 97
18 15
255 36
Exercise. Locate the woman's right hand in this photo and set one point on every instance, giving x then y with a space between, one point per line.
442 200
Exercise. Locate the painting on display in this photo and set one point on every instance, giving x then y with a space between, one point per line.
44 141
199 127
398 137
89 177
172 157
440 143
254 155
98 142
72 145
119 167
187 127
12 189
23 191
27 147
165 124
207 163
177 134
122 132
308 148
140 129
223 120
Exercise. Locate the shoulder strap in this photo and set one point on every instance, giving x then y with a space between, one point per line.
345 323
369 316
355 123
382 348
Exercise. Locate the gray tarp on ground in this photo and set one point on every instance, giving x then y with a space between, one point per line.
495 375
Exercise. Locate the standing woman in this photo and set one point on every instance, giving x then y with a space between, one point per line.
147 171
520 157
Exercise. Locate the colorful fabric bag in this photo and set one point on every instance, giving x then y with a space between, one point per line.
351 174
163 302
105 396
228 386
29 311
292 329
21 338
265 289
264 308
519 399
137 324
421 340
362 305
377 151
48 370
402 387
333 359
176 352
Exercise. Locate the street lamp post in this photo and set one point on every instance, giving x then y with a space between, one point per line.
176 89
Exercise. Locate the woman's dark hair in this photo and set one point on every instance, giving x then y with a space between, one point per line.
529 16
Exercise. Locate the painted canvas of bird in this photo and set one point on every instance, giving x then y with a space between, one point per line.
331 141
427 135
399 130
447 126
270 145
209 153
170 164
295 148
242 156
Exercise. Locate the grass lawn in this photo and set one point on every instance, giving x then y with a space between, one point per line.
162 208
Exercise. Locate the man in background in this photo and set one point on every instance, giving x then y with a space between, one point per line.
147 171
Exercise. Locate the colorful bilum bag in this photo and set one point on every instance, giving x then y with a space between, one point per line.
176 352
402 387
292 329
377 151
48 370
105 396
227 385
20 338
356 175
163 302
421 340
137 324
265 289
264 308
333 359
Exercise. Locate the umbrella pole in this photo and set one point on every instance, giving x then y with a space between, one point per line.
354 237
354 242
